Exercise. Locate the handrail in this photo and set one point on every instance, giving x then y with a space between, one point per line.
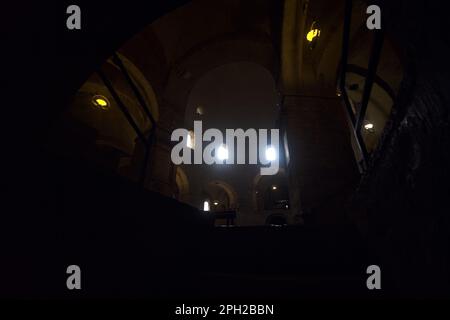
136 92
371 73
371 77
147 141
352 68
228 215
121 105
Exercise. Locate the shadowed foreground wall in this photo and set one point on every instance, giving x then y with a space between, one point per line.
405 195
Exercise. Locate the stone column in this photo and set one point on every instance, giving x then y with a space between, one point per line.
160 172
322 170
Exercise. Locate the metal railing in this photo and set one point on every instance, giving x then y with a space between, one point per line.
147 141
357 120
228 215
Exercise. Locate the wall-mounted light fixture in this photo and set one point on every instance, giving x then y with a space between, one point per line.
100 102
313 34
199 111
369 127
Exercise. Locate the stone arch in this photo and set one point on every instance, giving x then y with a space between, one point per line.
213 55
190 113
141 82
257 189
229 190
94 86
105 136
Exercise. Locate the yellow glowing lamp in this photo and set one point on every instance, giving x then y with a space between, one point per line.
100 102
312 34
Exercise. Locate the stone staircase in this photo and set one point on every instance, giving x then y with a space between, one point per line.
130 242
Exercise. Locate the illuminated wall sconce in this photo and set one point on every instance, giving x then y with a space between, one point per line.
369 126
216 203
199 111
274 187
313 34
100 102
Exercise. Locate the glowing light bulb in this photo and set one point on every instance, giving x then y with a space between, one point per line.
312 34
100 102
271 153
222 153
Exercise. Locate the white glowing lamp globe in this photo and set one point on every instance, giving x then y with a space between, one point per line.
271 153
222 153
